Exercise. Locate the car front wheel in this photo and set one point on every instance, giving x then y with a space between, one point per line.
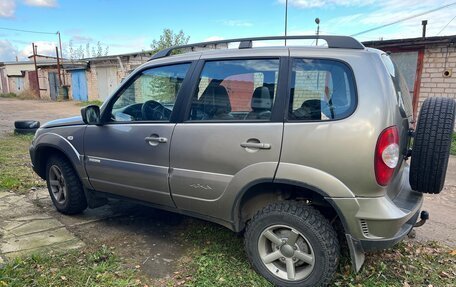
292 244
64 186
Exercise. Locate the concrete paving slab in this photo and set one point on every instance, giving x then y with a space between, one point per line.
4 193
13 205
34 241
18 227
57 247
25 228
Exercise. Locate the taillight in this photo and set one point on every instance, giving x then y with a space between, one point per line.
386 155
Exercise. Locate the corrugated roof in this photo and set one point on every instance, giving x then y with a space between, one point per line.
411 42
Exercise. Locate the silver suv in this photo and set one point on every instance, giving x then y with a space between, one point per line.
304 149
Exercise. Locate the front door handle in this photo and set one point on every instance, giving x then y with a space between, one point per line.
255 145
154 140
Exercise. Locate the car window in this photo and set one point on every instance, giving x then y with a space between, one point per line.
233 90
400 86
321 90
151 96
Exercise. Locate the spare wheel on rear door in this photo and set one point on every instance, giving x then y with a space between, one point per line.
431 145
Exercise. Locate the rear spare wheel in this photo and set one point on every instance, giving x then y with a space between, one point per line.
431 146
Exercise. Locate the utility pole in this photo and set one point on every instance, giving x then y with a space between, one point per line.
317 21
61 56
58 65
34 49
286 20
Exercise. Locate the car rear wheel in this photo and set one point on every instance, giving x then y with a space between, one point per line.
64 186
292 244
431 146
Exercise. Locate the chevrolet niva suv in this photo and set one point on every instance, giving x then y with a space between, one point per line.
300 148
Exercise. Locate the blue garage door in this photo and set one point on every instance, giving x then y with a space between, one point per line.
79 85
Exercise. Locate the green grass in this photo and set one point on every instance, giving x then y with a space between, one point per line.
88 103
453 144
75 268
15 168
218 259
8 95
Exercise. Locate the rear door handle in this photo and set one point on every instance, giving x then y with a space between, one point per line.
256 145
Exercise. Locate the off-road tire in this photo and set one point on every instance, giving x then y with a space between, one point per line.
431 145
75 201
309 222
27 124
25 131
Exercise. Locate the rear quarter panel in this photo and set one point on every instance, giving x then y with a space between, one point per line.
344 148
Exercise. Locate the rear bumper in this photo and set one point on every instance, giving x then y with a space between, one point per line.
372 245
379 222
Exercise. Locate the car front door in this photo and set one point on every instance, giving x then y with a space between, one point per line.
129 154
231 135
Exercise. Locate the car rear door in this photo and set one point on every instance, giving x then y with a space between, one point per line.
233 123
129 154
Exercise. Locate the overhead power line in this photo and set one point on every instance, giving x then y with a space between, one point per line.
446 26
28 31
404 19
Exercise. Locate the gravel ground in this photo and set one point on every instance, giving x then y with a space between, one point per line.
13 110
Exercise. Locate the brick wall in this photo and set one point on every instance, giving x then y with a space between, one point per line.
436 60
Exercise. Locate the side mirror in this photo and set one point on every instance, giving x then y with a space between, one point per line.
91 115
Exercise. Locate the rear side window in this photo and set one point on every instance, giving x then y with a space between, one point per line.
236 90
321 90
400 86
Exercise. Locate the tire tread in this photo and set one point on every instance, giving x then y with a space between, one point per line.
431 146
307 213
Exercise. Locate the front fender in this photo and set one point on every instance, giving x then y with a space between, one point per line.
46 141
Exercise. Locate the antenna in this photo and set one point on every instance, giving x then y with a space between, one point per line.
317 21
286 20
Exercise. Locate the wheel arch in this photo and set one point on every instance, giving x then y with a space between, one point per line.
260 193
42 154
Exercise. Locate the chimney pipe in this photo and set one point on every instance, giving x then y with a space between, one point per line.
424 23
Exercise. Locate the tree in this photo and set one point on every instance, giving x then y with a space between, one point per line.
89 51
169 39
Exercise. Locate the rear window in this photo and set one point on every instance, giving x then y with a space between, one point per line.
321 90
403 97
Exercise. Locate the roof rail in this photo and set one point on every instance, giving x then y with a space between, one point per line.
344 42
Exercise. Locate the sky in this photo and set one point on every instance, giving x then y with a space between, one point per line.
131 26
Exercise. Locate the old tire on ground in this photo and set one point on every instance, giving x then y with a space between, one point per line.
25 131
64 186
26 124
431 145
292 244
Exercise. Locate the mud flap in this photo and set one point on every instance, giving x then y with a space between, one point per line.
356 252
93 199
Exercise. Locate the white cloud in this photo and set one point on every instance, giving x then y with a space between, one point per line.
81 39
43 48
389 11
7 51
41 3
237 23
305 4
7 8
